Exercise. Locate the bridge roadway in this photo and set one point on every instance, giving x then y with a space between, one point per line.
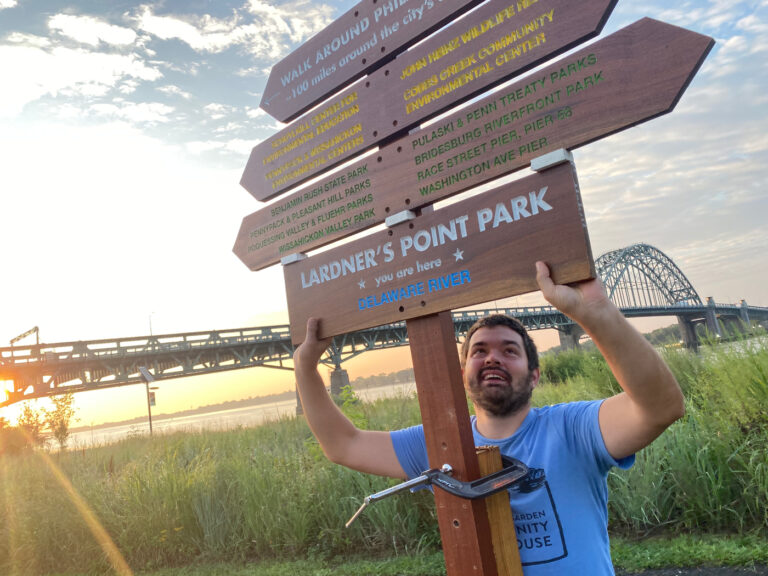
50 369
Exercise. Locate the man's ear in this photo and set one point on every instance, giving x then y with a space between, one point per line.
535 376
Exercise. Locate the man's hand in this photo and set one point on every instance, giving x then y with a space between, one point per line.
310 351
368 451
580 301
651 400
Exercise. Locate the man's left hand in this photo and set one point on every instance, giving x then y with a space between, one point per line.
578 301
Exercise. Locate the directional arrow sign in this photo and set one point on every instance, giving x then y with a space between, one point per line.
477 250
633 75
368 36
489 45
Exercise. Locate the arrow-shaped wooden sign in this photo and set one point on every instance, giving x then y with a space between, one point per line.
489 45
364 38
631 76
478 250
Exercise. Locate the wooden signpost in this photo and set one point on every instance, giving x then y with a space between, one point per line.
626 78
362 39
471 252
499 39
483 248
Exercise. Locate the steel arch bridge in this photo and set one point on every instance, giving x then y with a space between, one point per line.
643 276
640 279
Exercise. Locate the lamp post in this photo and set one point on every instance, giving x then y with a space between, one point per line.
148 378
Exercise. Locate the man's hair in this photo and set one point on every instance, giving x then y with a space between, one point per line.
503 320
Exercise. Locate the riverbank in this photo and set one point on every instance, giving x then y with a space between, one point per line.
225 416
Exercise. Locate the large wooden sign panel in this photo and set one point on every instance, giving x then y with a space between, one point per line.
633 75
367 36
489 45
473 251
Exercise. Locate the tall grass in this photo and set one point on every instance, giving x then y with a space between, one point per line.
265 492
268 492
708 471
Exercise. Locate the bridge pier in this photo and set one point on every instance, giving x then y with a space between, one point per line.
735 326
744 312
713 325
339 379
688 333
569 336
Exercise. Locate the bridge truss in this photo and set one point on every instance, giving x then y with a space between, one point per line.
639 279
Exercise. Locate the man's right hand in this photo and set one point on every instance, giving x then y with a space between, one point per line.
368 451
310 351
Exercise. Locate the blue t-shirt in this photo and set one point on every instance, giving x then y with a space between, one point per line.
561 509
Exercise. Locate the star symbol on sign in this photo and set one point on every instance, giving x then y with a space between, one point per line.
459 254
361 284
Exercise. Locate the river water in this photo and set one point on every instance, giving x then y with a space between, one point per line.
221 419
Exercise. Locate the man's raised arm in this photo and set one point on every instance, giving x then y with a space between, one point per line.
652 399
342 442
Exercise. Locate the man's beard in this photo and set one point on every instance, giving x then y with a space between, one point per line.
501 400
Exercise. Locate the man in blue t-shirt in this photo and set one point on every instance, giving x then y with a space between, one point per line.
560 510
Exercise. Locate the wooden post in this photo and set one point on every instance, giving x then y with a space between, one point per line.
464 527
500 517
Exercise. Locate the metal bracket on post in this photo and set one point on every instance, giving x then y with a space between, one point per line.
399 218
513 474
551 159
293 258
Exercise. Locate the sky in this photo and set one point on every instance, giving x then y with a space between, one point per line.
125 128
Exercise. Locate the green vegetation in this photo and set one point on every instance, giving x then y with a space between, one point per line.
28 432
59 418
401 376
265 500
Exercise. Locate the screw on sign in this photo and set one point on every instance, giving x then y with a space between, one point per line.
489 45
626 78
365 37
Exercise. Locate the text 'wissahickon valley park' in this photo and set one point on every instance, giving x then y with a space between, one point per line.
613 84
490 45
452 257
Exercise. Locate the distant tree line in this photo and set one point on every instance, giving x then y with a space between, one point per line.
381 379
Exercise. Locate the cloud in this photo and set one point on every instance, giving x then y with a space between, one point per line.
28 40
201 33
255 112
8 4
278 30
752 24
265 31
35 72
173 90
236 146
136 113
217 111
92 31
229 127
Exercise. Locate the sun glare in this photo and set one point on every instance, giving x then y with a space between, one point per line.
99 533
113 554
10 413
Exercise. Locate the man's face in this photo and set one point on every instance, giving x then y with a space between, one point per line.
496 374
